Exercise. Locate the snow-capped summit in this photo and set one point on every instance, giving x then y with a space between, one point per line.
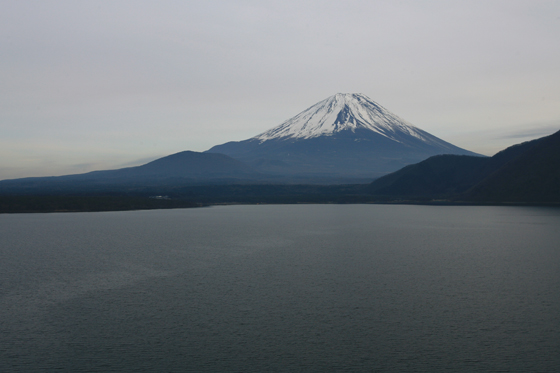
343 111
345 135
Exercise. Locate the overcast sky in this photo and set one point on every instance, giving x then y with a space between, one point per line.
90 85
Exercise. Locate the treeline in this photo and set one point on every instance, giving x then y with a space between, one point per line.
31 204
184 197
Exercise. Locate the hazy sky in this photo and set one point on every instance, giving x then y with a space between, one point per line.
90 85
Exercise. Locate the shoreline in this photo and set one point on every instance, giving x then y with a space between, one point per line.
69 204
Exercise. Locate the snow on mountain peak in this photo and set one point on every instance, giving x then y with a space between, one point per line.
343 111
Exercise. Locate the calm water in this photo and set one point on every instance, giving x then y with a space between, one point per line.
282 288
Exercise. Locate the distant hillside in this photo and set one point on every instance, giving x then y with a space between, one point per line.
181 168
523 173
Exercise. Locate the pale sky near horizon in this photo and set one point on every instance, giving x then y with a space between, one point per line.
88 85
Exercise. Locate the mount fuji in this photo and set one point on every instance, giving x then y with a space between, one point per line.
344 136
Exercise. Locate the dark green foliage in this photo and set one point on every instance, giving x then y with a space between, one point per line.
27 204
274 193
189 196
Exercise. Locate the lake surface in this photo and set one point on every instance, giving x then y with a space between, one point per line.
282 288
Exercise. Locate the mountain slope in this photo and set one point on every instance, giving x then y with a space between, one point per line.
527 172
343 135
533 176
438 176
181 168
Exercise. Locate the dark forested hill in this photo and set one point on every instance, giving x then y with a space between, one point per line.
533 176
523 173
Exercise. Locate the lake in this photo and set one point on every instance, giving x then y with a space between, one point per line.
269 288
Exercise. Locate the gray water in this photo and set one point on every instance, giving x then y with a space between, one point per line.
282 288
